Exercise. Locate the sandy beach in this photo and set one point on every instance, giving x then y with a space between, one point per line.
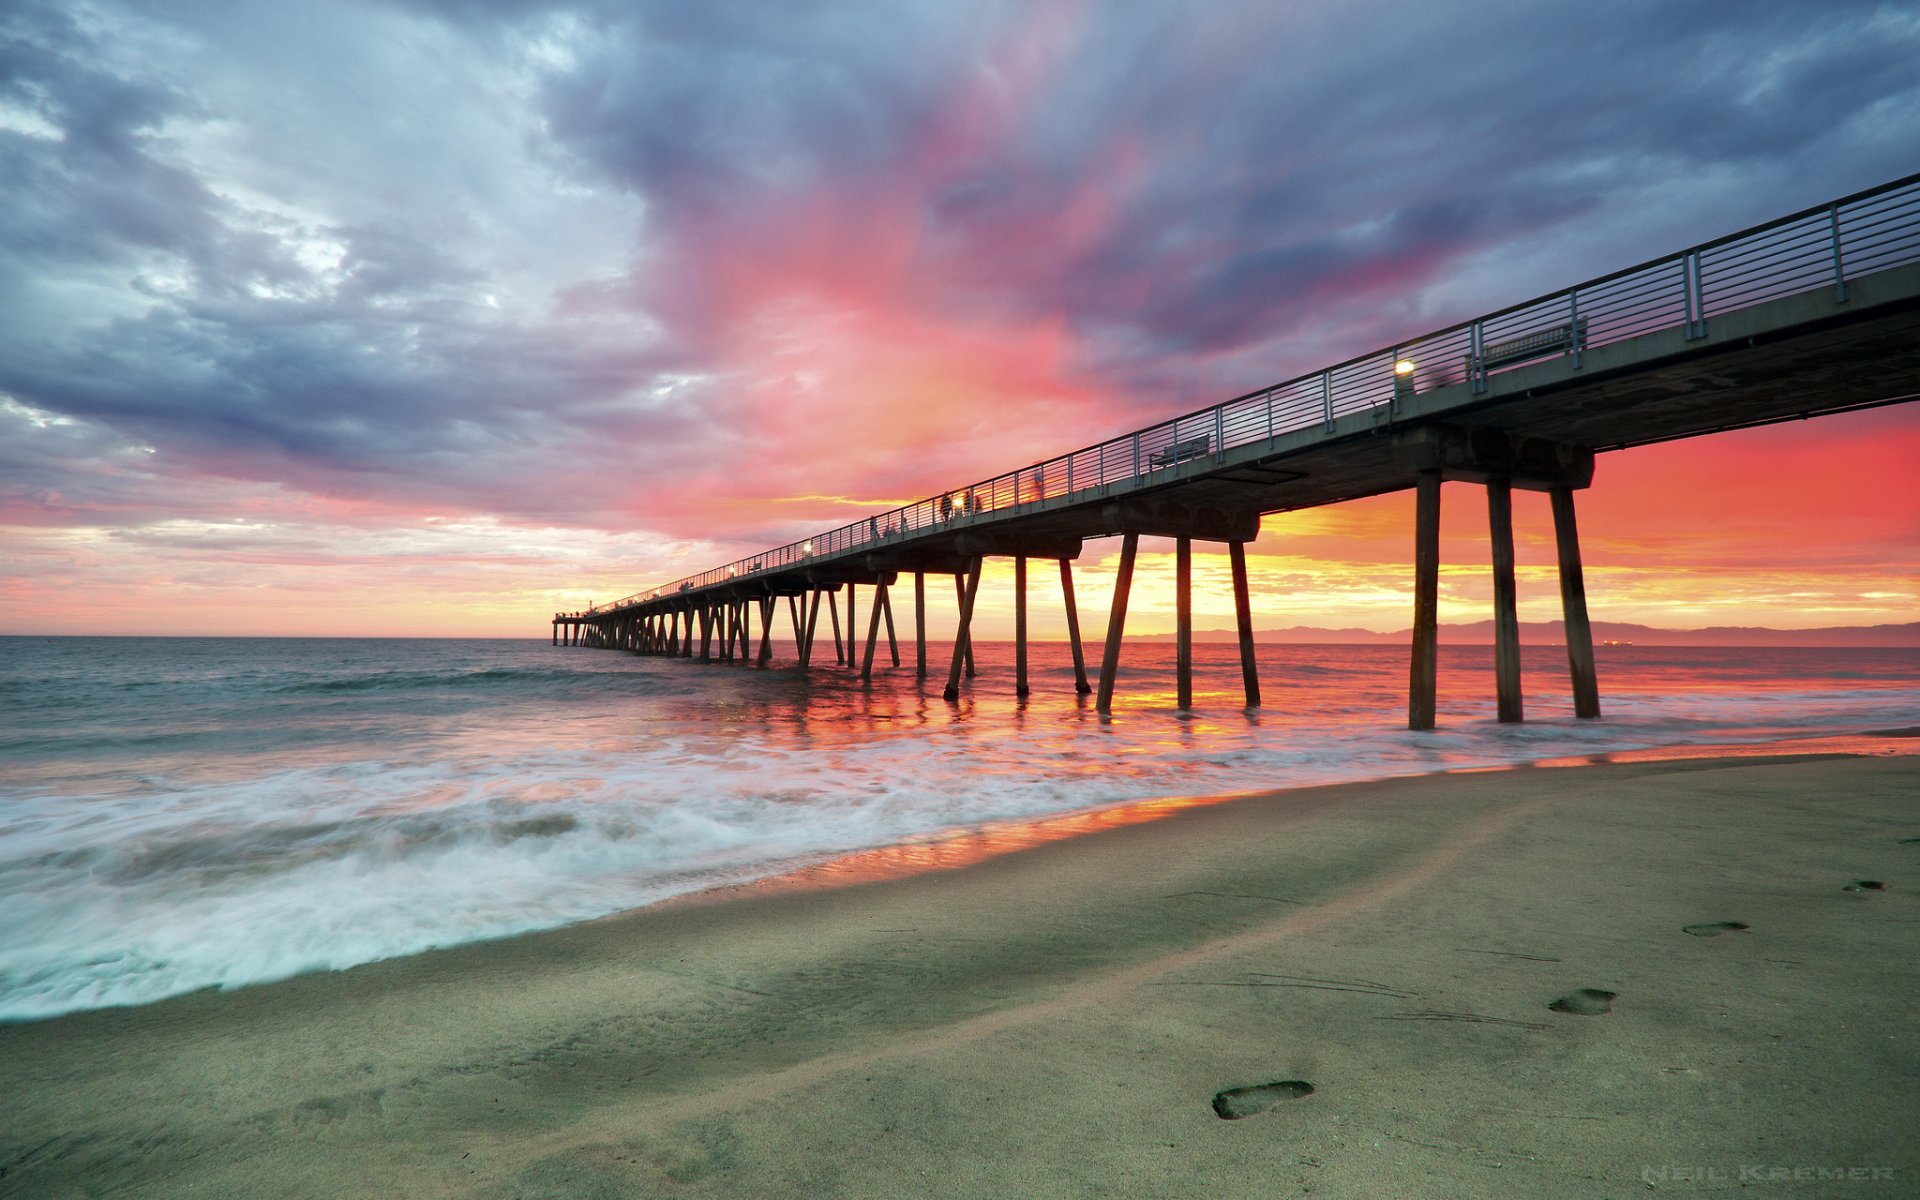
1733 946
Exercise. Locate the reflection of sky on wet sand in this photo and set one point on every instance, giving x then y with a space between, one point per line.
964 848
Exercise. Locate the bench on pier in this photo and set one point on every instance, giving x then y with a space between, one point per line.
1568 335
1182 451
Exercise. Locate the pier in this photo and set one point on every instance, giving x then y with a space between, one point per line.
1813 313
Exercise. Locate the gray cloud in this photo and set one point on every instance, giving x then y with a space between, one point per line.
495 256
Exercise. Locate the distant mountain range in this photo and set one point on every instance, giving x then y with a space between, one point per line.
1551 633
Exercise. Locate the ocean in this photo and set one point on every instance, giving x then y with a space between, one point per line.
183 813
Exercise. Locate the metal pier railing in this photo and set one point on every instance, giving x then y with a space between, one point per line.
1828 244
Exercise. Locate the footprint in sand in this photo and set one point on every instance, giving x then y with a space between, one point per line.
1235 1103
1585 1002
1865 885
1715 928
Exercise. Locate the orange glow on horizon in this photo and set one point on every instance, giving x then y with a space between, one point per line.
1790 526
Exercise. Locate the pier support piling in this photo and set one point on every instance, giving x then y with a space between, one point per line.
960 589
879 605
1423 673
1020 626
1573 606
853 627
766 633
1243 621
813 621
1080 684
920 624
886 607
1116 622
963 636
1183 622
1506 615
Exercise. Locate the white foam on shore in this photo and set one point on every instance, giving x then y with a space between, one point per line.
180 885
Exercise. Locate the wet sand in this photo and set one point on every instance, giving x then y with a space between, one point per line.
1363 977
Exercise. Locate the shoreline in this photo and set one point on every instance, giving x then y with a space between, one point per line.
960 848
1055 1018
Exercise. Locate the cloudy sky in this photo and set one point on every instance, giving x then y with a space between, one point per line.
378 317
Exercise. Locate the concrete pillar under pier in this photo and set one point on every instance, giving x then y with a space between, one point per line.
1080 684
1573 605
853 627
893 639
920 624
1423 673
1243 620
1183 622
813 623
766 633
833 614
1116 622
963 636
960 589
1506 614
1502 460
879 605
1020 625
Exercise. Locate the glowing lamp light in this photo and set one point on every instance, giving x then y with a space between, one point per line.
807 549
1403 367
